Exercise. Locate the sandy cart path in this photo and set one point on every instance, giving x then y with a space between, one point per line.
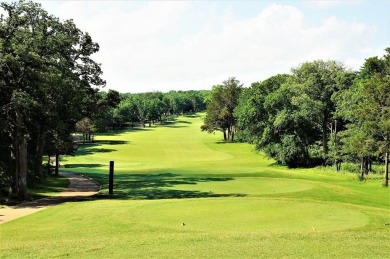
80 187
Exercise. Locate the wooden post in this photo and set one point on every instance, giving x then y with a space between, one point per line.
111 179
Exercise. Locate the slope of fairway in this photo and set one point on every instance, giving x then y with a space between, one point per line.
180 193
173 145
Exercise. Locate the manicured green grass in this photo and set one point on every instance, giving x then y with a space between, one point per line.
234 203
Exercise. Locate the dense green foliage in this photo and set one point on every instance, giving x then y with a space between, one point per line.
233 201
288 115
46 75
223 101
46 83
365 107
321 114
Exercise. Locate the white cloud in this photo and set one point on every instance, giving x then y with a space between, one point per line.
256 48
322 3
148 47
328 3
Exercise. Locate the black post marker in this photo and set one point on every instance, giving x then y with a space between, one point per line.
111 179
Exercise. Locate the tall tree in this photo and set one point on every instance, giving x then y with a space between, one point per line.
220 110
366 106
251 114
289 130
318 81
40 57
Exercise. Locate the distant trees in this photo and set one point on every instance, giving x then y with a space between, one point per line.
106 105
220 117
86 127
46 75
152 107
116 110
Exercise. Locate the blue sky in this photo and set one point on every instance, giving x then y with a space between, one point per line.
181 45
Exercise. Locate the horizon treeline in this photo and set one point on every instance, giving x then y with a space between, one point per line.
147 108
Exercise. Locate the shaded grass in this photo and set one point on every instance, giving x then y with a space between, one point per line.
50 186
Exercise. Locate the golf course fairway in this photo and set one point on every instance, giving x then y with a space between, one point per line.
180 192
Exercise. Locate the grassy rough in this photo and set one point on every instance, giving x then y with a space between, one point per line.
234 203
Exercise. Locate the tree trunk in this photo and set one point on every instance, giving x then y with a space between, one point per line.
366 166
337 160
15 169
23 168
48 164
386 179
370 165
362 168
57 163
224 134
38 156
324 134
20 154
338 166
231 133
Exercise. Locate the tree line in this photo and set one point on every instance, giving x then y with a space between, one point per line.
47 80
320 114
151 107
121 110
49 87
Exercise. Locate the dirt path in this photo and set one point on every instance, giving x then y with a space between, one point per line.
80 187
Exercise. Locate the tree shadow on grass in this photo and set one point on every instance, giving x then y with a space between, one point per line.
172 123
111 142
112 132
158 186
147 128
92 148
223 142
175 126
121 131
184 122
90 151
83 165
192 115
